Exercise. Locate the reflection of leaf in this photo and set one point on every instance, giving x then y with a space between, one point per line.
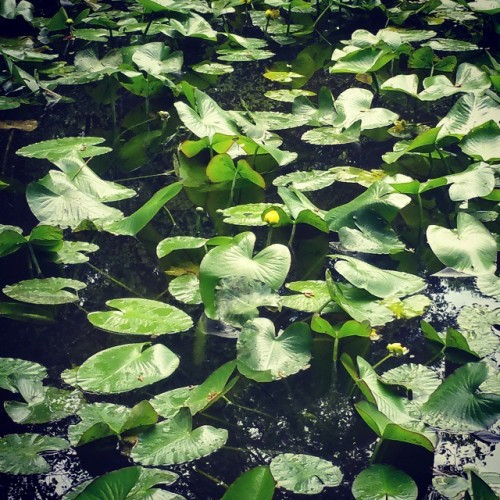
237 299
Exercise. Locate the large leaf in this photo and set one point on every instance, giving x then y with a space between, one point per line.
477 180
264 356
468 112
313 296
186 289
156 59
469 249
270 266
169 245
141 317
12 368
74 252
43 404
207 118
56 149
20 453
458 405
384 482
167 404
333 136
379 197
254 483
45 290
173 441
477 326
194 26
311 180
56 200
402 83
489 285
132 483
481 143
379 282
304 474
126 367
469 78
362 61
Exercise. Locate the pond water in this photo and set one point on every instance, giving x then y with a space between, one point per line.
310 412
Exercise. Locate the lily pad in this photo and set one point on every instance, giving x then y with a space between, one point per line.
168 404
12 368
141 317
126 367
304 474
45 291
270 266
481 143
174 441
313 296
20 453
56 149
186 289
254 483
264 356
458 406
489 284
382 482
469 249
74 252
249 214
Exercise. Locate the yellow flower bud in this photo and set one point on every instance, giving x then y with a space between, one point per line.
69 21
272 217
397 349
272 13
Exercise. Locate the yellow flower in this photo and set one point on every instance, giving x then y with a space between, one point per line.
374 335
397 349
272 13
272 217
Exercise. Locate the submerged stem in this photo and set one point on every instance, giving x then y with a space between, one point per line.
114 280
35 261
214 479
229 402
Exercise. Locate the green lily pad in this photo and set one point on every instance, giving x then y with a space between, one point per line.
126 367
186 289
477 327
489 284
45 291
270 266
141 317
167 404
383 482
74 252
402 83
457 405
311 180
56 149
174 441
313 296
99 420
212 68
379 282
304 474
469 249
288 95
20 453
450 45
42 404
481 143
157 60
264 356
249 214
11 369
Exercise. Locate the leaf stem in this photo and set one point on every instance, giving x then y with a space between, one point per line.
292 235
114 280
35 260
383 360
229 402
214 479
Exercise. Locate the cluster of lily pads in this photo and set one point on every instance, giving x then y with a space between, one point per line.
413 90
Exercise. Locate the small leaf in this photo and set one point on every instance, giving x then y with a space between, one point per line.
45 291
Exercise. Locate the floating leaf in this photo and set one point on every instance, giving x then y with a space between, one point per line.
167 404
489 285
450 45
249 214
99 420
156 59
264 356
43 404
20 453
304 474
186 289
173 441
254 483
126 367
384 481
313 296
45 291
169 245
141 317
288 95
379 282
469 249
74 252
12 368
477 325
212 68
481 143
311 180
56 149
402 83
458 406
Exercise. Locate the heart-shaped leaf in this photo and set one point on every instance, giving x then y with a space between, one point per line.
264 356
254 483
469 249
11 369
45 291
56 149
